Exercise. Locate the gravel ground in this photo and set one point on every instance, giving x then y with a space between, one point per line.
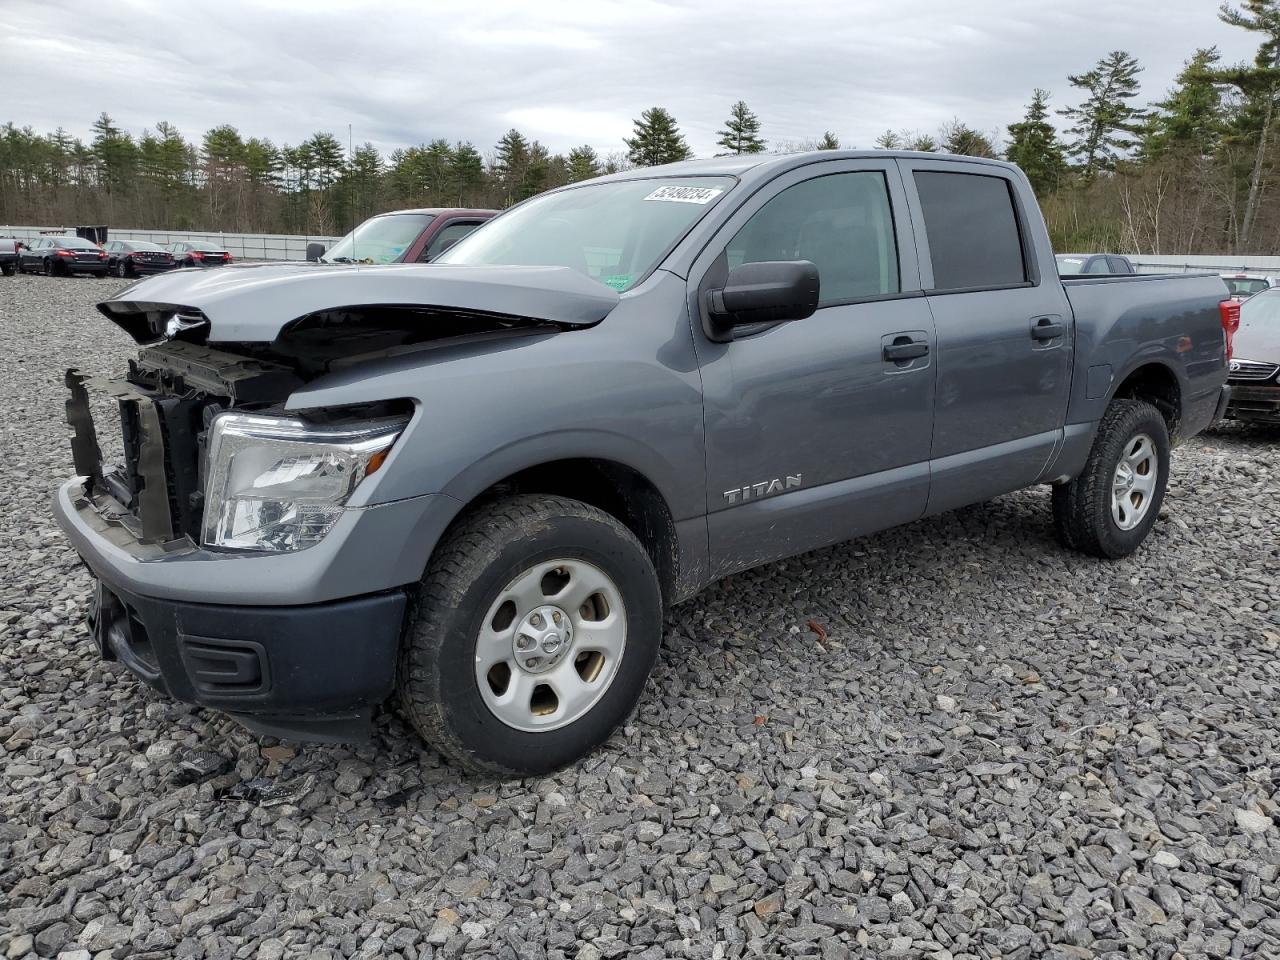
948 740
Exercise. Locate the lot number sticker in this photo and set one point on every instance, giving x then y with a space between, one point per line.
685 194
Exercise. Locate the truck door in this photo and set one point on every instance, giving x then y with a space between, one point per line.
819 429
1005 333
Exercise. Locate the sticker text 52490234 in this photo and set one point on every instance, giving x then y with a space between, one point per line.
686 194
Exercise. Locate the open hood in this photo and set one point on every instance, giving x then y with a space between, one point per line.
252 303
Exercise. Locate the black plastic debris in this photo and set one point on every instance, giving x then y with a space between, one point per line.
267 793
198 766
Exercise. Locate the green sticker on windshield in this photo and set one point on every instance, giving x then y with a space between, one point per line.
619 281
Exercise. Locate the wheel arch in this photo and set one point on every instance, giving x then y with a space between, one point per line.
614 486
1157 382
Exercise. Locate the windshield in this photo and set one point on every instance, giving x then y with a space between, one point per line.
379 239
1069 265
1245 286
612 232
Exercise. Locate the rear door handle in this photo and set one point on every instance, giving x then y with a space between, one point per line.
1047 329
910 350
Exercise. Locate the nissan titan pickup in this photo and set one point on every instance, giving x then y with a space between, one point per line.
475 485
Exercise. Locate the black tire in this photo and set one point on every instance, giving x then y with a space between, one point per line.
1082 513
47 268
119 269
7 269
438 690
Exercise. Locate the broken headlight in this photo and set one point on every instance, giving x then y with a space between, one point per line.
278 484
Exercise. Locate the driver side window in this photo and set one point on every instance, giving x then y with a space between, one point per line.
840 222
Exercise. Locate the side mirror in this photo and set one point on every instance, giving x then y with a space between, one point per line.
315 251
768 292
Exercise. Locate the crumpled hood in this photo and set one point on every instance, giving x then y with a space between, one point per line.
252 303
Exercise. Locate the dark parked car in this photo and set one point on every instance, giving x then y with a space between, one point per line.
62 256
403 236
1071 264
198 253
9 248
1255 362
133 258
478 484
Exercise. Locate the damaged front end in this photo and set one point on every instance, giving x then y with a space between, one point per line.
187 375
167 402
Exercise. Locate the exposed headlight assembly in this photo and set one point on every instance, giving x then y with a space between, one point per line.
278 484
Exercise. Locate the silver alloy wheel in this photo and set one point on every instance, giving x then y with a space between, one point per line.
551 645
1134 482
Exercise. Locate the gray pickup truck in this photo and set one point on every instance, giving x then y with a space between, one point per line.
477 484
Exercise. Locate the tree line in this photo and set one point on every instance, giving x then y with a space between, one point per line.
1194 172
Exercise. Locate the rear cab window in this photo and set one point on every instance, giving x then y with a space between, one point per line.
972 227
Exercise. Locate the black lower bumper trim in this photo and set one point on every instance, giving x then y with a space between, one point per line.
307 672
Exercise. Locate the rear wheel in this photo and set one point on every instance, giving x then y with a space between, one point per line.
7 269
533 633
47 268
1109 509
120 269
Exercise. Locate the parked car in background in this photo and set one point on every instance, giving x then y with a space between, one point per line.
1254 369
403 236
198 253
484 479
1071 264
135 258
1245 285
62 256
9 248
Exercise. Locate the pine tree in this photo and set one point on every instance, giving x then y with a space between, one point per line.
1189 119
1260 85
656 139
889 140
960 138
1033 146
741 133
114 152
1106 123
583 164
468 171
829 141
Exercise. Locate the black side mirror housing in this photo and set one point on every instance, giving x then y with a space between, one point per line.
762 294
315 251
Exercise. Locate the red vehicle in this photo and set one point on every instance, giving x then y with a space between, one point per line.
403 236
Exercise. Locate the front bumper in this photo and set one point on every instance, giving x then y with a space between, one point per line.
369 550
311 673
1254 401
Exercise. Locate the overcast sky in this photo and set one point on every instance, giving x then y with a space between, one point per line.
573 71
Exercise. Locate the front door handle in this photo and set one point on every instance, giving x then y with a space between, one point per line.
1047 329
909 350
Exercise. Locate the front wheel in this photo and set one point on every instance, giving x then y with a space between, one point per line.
7 269
1109 509
120 269
533 633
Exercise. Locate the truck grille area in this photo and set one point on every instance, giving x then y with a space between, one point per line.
166 404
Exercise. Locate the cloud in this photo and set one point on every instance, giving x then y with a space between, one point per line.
576 71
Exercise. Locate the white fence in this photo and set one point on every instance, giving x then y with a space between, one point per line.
241 246
1179 263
